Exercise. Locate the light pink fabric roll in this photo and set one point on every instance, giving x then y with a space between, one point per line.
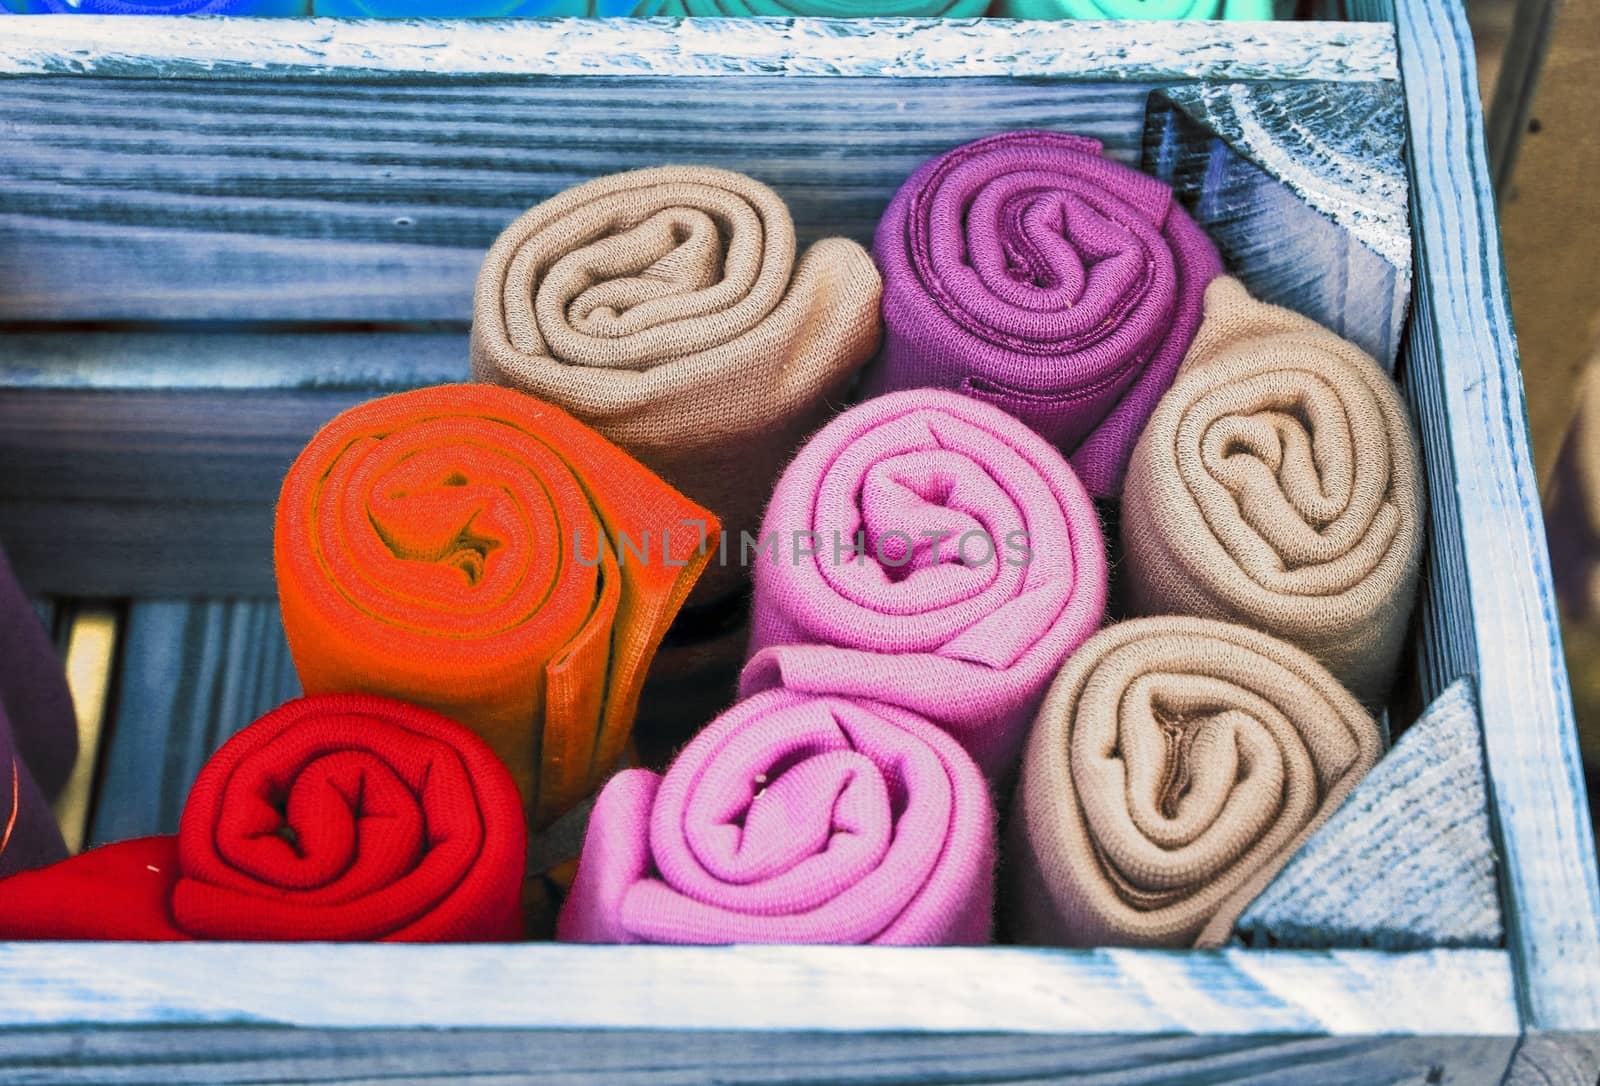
793 819
967 631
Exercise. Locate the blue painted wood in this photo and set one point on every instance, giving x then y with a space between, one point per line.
192 673
306 201
1303 188
1491 610
1408 861
941 49
121 493
633 1058
830 989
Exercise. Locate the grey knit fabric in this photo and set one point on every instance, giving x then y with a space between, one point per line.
1407 862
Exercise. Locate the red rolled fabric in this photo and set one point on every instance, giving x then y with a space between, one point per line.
343 817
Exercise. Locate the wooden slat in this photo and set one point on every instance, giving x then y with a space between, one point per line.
149 493
1459 993
230 200
233 358
958 49
629 1058
1491 607
192 673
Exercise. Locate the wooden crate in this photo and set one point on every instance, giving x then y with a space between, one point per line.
215 235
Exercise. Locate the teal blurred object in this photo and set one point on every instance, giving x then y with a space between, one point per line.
156 7
1133 9
822 9
486 9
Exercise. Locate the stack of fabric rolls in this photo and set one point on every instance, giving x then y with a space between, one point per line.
872 641
507 9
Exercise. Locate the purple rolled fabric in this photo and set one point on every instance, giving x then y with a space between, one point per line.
38 734
1028 271
793 819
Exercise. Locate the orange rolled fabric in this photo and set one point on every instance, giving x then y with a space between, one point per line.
477 551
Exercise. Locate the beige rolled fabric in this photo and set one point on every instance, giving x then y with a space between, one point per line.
1175 767
664 307
1278 484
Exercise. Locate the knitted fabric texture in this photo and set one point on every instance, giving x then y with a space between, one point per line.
1279 485
1258 10
347 817
980 565
1175 767
664 307
460 547
1408 863
1027 271
157 7
38 733
793 819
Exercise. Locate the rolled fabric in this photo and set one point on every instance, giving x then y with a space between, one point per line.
967 630
1027 271
1247 10
38 733
258 8
1279 485
664 308
1175 767
474 550
793 819
345 817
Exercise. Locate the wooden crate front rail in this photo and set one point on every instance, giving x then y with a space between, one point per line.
214 235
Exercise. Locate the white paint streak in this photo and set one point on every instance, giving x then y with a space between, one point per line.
896 48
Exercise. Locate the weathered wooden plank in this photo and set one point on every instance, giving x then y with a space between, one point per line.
150 358
149 493
897 48
192 673
827 989
636 1058
1303 188
1491 607
230 200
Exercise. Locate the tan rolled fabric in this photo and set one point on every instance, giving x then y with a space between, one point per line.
664 308
1175 767
1278 484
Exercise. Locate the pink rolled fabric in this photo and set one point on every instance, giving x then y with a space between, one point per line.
967 630
793 819
1029 272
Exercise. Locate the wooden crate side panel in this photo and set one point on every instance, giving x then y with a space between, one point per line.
174 1056
1491 611
837 989
267 49
256 200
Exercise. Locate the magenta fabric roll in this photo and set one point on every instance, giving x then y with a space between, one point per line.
793 819
979 566
1028 271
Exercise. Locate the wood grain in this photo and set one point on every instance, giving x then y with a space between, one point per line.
829 989
265 49
169 1056
192 673
1491 610
305 201
1302 187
